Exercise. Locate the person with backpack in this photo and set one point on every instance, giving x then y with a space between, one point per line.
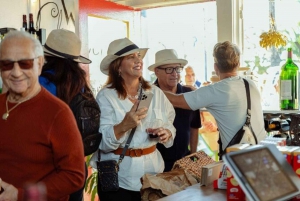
64 78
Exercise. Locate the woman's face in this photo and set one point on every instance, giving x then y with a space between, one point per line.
131 66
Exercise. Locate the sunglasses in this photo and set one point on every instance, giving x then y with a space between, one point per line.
170 70
24 64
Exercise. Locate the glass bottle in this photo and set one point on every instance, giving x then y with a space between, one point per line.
24 25
289 79
31 29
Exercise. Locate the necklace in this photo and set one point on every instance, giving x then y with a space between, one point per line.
6 114
132 97
136 96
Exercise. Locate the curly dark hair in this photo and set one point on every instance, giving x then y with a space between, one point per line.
226 56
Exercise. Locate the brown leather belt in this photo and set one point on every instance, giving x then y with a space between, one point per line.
136 152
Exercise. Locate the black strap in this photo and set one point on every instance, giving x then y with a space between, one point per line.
249 109
130 135
126 49
247 122
248 102
68 56
132 130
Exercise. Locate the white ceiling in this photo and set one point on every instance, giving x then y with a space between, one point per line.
146 4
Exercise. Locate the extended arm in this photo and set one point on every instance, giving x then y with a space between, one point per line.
177 100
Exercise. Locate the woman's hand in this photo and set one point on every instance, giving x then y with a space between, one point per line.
131 120
163 134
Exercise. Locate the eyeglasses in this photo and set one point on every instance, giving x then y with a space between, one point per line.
170 70
23 63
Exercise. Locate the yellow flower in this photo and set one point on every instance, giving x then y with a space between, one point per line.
272 39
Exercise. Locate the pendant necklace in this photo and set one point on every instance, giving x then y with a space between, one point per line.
6 114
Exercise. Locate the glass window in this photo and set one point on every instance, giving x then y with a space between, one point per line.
266 63
189 29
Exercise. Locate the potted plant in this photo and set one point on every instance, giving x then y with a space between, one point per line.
92 180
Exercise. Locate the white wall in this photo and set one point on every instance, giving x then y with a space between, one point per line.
11 12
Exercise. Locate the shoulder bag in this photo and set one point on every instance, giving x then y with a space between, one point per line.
246 133
108 169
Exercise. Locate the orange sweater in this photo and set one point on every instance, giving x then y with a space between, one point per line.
40 141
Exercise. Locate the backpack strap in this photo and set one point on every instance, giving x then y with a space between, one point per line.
248 118
248 102
247 122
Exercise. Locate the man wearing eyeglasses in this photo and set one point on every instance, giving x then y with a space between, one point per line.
39 138
167 69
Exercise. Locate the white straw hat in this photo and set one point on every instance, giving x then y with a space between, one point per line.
119 48
167 56
65 44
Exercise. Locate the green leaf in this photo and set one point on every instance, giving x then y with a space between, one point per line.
91 182
87 183
94 193
91 185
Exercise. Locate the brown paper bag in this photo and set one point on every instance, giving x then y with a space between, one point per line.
160 185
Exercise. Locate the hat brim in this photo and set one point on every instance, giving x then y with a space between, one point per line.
106 61
80 59
183 62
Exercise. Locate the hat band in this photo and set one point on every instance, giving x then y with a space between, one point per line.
126 49
67 56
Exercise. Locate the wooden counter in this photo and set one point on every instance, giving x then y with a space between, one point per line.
196 193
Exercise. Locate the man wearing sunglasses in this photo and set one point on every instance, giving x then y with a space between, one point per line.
167 69
39 138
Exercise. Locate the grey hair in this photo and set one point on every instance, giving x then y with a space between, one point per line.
37 46
189 67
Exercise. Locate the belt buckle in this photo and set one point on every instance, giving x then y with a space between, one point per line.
135 152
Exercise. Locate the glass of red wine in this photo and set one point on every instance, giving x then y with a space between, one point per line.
151 126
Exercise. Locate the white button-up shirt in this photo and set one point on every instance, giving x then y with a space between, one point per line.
113 111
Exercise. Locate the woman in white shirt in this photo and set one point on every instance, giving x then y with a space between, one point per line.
118 103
